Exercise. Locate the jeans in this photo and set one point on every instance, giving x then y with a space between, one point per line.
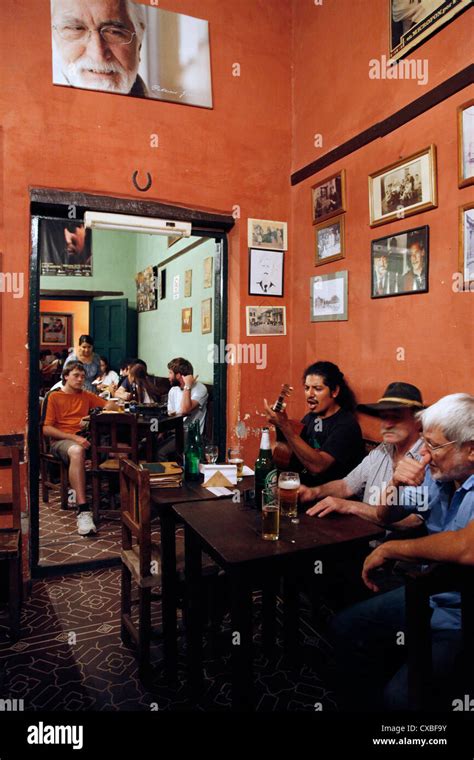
370 656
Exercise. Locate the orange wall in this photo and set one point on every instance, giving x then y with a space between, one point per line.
334 96
237 154
80 315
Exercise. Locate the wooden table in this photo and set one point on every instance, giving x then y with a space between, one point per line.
163 500
231 536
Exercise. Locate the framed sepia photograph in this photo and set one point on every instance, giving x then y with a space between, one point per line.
400 263
265 272
55 330
266 320
466 245
404 188
328 293
208 268
206 316
187 319
329 241
329 197
188 283
412 22
466 143
263 233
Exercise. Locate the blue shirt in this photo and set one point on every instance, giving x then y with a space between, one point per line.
446 509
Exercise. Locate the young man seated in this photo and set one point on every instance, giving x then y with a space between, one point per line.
186 396
63 424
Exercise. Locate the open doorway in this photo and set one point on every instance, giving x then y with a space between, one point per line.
190 315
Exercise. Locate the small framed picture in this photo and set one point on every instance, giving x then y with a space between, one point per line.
187 320
403 188
266 320
265 272
466 143
263 233
188 283
329 197
329 241
162 284
400 263
208 267
55 329
466 245
206 316
328 294
147 289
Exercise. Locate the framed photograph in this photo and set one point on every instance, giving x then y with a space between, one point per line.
400 263
65 248
466 143
263 233
187 320
208 269
328 197
466 244
265 272
403 188
147 289
206 316
161 55
329 241
411 23
55 330
266 320
188 283
329 297
162 283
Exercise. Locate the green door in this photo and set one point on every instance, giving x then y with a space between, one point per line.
114 329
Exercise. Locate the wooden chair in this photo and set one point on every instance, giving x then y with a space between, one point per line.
10 536
419 587
48 462
141 559
114 436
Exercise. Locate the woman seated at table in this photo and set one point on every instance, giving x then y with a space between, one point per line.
142 386
106 378
90 361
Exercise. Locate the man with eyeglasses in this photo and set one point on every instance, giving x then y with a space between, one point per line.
97 43
367 635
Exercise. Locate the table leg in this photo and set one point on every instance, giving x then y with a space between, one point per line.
193 570
290 613
241 644
169 594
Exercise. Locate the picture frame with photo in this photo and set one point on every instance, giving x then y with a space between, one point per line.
466 245
329 241
328 197
264 233
187 320
188 283
208 265
404 188
328 295
206 316
400 263
147 289
266 272
55 330
266 320
466 144
411 24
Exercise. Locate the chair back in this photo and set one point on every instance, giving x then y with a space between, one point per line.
10 460
135 512
113 434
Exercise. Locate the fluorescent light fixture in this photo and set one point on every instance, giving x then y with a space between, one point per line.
95 220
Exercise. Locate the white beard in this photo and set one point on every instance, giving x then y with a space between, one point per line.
122 83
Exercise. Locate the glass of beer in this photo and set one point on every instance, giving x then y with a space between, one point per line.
288 484
270 515
235 457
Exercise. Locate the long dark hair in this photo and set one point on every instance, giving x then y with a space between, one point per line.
137 374
333 378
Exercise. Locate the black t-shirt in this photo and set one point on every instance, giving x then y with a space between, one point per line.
339 435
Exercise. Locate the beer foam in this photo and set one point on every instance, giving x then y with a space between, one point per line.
288 485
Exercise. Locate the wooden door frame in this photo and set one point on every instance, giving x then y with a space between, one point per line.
46 203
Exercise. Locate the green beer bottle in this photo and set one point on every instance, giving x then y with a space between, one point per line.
265 471
192 456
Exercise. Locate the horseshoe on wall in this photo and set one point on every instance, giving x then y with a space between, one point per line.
148 184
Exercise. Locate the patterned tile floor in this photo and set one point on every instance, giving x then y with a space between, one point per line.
71 657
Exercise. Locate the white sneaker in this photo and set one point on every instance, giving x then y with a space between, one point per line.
85 524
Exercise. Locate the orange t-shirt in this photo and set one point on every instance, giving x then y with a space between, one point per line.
66 410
